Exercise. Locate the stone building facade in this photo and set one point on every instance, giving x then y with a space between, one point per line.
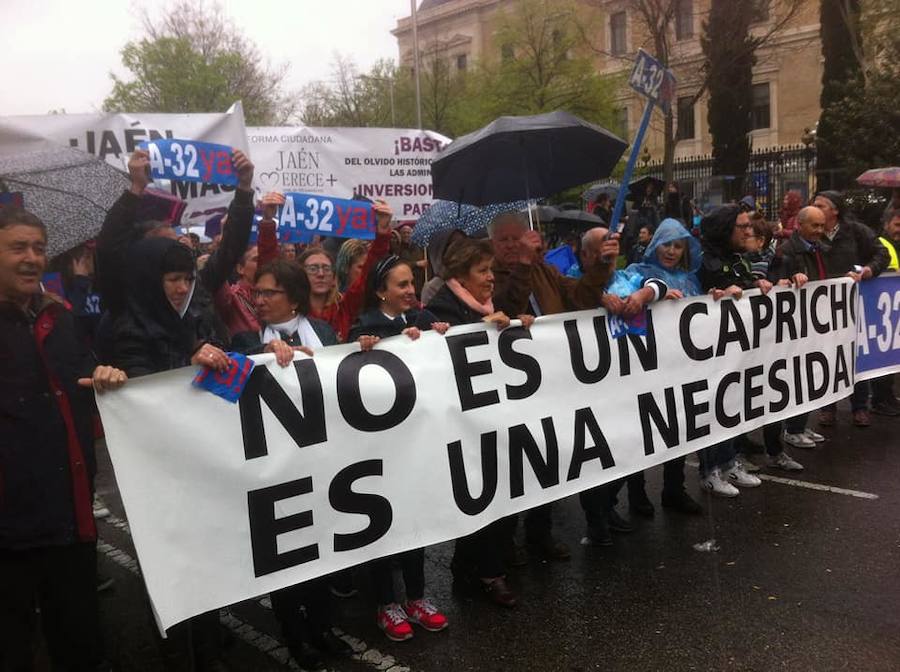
786 78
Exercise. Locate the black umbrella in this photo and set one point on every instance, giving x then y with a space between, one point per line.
524 157
70 191
610 188
578 219
544 213
637 188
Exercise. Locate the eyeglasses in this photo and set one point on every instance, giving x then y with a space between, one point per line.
319 269
266 293
743 226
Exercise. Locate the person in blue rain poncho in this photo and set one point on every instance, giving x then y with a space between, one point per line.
668 270
672 258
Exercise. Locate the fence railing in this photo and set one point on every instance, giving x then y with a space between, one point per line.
771 173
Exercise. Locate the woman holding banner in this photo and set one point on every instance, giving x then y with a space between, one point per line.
667 270
391 311
281 298
465 298
159 331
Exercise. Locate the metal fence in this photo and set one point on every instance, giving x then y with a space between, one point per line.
771 173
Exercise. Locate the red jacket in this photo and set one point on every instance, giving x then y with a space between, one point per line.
343 313
234 303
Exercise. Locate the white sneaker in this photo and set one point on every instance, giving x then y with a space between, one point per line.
798 440
815 436
738 476
785 461
100 509
749 467
714 483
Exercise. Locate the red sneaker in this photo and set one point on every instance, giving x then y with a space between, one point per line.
424 613
393 620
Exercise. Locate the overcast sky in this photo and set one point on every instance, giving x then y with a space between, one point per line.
59 53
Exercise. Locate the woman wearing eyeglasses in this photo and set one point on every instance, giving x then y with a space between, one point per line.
281 298
326 303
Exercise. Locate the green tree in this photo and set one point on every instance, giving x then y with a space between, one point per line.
860 96
842 75
195 60
729 56
544 64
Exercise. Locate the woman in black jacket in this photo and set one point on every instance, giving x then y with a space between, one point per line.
392 310
391 307
281 297
466 298
158 331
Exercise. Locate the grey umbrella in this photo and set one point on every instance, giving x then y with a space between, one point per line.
70 191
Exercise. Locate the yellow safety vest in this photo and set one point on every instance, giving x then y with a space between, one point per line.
895 262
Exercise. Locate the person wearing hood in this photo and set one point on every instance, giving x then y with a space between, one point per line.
725 273
121 229
667 270
48 538
854 252
159 330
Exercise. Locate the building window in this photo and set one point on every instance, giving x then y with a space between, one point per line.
684 19
685 115
761 114
461 62
760 11
617 34
507 53
622 121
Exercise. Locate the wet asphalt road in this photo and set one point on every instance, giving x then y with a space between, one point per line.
804 580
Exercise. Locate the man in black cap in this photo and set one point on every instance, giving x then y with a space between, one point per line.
855 252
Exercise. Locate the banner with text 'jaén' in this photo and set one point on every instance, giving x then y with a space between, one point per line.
393 164
114 136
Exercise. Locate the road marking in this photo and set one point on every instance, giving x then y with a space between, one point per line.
807 484
267 644
818 486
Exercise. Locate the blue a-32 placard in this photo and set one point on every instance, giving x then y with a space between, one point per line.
651 79
303 215
191 161
878 327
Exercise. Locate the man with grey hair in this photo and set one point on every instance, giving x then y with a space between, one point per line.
524 283
48 538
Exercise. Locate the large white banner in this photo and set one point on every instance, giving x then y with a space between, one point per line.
348 456
113 137
389 163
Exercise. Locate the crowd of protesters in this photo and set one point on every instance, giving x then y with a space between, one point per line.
141 300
